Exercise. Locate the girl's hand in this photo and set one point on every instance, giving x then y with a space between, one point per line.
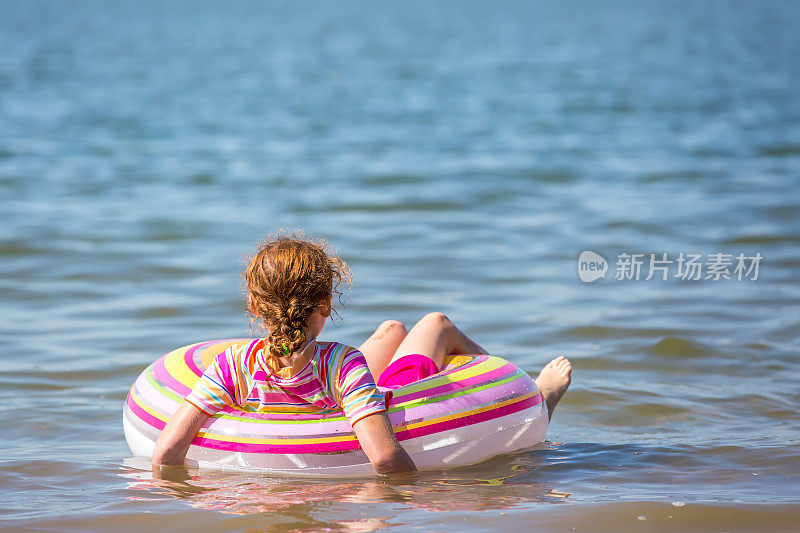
180 431
376 436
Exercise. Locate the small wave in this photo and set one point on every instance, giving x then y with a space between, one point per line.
779 150
672 346
763 239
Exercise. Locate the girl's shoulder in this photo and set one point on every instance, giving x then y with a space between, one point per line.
242 358
336 364
333 357
332 350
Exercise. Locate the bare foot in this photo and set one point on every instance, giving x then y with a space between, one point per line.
553 381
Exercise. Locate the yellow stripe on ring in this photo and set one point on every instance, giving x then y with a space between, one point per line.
176 365
143 406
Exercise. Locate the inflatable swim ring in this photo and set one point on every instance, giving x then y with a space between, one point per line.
477 407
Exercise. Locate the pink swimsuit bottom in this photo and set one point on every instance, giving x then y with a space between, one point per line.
408 369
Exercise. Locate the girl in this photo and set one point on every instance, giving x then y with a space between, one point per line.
290 284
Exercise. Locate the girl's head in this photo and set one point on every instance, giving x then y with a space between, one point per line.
289 284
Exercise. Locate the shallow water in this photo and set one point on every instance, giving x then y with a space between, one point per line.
460 157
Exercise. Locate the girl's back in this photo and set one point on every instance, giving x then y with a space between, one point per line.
326 376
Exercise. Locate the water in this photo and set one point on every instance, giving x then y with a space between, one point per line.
460 156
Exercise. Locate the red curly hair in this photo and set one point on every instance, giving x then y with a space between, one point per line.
286 280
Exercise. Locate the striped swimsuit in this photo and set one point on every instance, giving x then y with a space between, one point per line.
335 379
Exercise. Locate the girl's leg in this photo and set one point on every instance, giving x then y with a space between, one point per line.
436 336
381 346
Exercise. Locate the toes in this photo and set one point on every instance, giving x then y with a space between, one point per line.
560 364
563 365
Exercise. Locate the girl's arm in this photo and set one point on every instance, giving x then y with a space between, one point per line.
180 431
376 436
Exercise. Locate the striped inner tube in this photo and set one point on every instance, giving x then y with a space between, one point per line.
470 391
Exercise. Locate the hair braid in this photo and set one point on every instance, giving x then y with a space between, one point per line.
286 280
